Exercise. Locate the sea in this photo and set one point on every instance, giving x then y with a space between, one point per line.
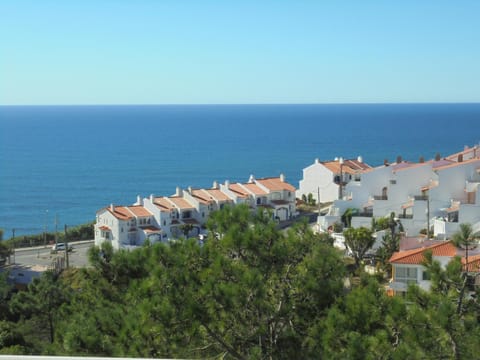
60 164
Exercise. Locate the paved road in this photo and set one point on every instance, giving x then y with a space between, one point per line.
43 255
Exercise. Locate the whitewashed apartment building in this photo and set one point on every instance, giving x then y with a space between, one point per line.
325 179
440 193
161 218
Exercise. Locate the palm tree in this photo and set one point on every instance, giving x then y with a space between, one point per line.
466 239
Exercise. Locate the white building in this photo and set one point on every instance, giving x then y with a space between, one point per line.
126 226
165 217
325 179
407 265
438 193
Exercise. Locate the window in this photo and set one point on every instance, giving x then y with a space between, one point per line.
393 182
425 275
164 223
407 275
258 201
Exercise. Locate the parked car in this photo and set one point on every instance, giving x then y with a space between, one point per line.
60 247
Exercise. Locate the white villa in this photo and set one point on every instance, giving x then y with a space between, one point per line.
325 179
407 265
163 218
440 194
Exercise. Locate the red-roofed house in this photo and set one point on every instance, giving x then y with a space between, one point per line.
407 265
325 178
438 194
125 226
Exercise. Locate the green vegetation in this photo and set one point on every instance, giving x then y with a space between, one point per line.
250 291
74 233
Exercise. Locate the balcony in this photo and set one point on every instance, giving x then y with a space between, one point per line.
363 214
405 216
380 197
421 197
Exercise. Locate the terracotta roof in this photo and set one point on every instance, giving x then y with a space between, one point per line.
238 190
406 165
152 230
431 185
415 256
276 184
218 194
475 150
139 211
121 212
453 208
254 189
180 202
163 203
408 204
351 166
201 196
473 263
455 164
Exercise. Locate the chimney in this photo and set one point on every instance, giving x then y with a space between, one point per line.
460 158
360 159
317 161
189 190
437 157
251 179
399 159
139 200
282 177
215 185
227 184
151 198
178 191
421 160
112 208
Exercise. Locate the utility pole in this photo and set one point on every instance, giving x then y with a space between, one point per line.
428 216
13 243
56 224
66 247
319 205
45 233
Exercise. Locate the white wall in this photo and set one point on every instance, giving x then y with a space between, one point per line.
317 177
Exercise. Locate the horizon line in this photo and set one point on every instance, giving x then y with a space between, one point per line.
251 104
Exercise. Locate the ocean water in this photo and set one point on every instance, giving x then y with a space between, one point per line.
70 161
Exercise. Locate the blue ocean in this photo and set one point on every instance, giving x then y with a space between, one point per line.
69 161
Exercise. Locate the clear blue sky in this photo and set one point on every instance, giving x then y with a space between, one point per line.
164 52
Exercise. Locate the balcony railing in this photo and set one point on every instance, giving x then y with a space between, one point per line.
380 197
405 216
421 197
363 214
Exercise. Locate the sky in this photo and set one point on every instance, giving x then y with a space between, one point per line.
238 52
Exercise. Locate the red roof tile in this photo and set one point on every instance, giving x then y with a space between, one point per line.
163 203
218 194
276 184
180 202
415 256
121 212
139 211
254 189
